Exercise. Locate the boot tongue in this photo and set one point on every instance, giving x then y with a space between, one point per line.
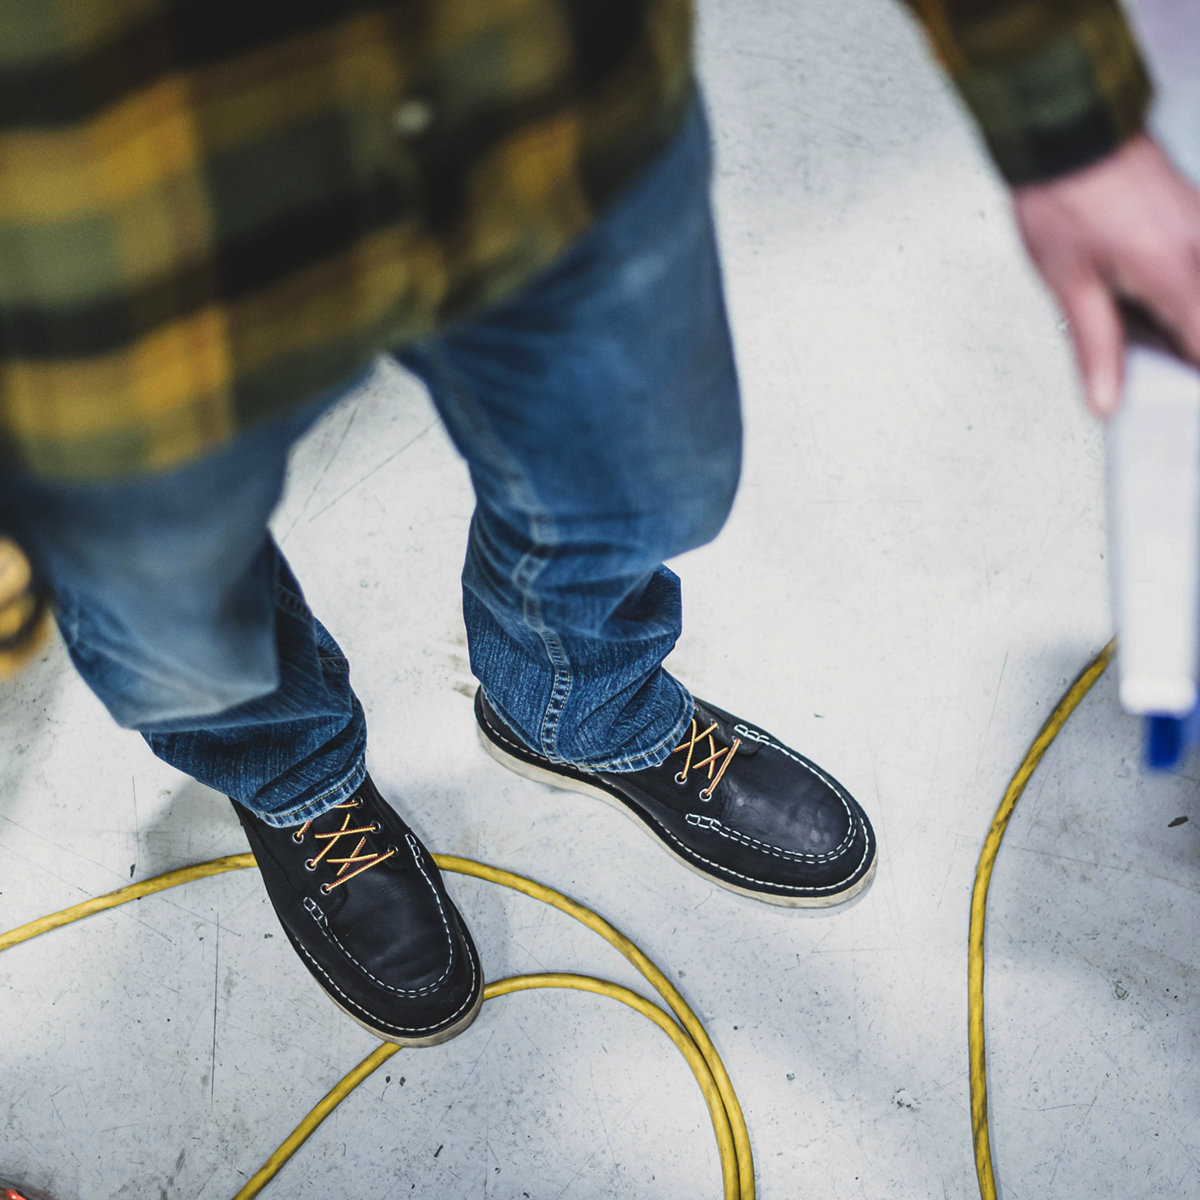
726 732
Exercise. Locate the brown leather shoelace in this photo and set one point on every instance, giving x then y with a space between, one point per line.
718 759
354 863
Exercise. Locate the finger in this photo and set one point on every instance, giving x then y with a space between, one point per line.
1167 291
1173 296
1099 341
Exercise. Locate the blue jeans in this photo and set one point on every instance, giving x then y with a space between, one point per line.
597 410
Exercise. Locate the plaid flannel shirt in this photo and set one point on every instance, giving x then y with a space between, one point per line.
1052 84
214 210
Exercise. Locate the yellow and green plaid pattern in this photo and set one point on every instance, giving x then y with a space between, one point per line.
214 210
211 211
1053 84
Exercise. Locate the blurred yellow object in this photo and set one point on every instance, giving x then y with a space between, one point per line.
24 617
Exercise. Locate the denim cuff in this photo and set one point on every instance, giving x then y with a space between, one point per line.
660 751
316 806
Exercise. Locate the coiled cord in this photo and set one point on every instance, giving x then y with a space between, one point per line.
983 877
684 1027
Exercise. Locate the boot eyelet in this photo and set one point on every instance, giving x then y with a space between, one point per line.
377 828
681 778
309 865
325 889
297 837
705 795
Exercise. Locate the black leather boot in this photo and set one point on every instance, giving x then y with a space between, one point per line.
730 802
366 909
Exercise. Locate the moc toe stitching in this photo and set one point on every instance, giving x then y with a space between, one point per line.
857 827
374 1018
811 768
811 889
349 970
711 823
323 924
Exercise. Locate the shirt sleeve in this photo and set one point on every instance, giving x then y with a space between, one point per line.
1052 84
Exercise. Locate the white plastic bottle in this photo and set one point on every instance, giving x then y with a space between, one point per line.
1153 453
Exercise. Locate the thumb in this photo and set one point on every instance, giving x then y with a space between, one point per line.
1099 339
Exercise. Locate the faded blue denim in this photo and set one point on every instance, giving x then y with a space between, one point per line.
597 410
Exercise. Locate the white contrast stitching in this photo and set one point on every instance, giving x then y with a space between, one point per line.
763 739
323 922
387 1024
715 826
691 854
787 887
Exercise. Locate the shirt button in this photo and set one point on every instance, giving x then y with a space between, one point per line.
412 117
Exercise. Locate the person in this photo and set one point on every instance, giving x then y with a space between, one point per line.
213 219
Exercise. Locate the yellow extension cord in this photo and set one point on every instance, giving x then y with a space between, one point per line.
685 1030
983 876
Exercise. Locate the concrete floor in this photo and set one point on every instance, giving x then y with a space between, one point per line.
914 570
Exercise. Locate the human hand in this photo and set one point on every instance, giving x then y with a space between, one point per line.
1125 228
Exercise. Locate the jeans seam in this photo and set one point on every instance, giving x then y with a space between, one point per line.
528 568
286 598
544 535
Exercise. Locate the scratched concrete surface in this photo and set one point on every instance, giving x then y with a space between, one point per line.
914 569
